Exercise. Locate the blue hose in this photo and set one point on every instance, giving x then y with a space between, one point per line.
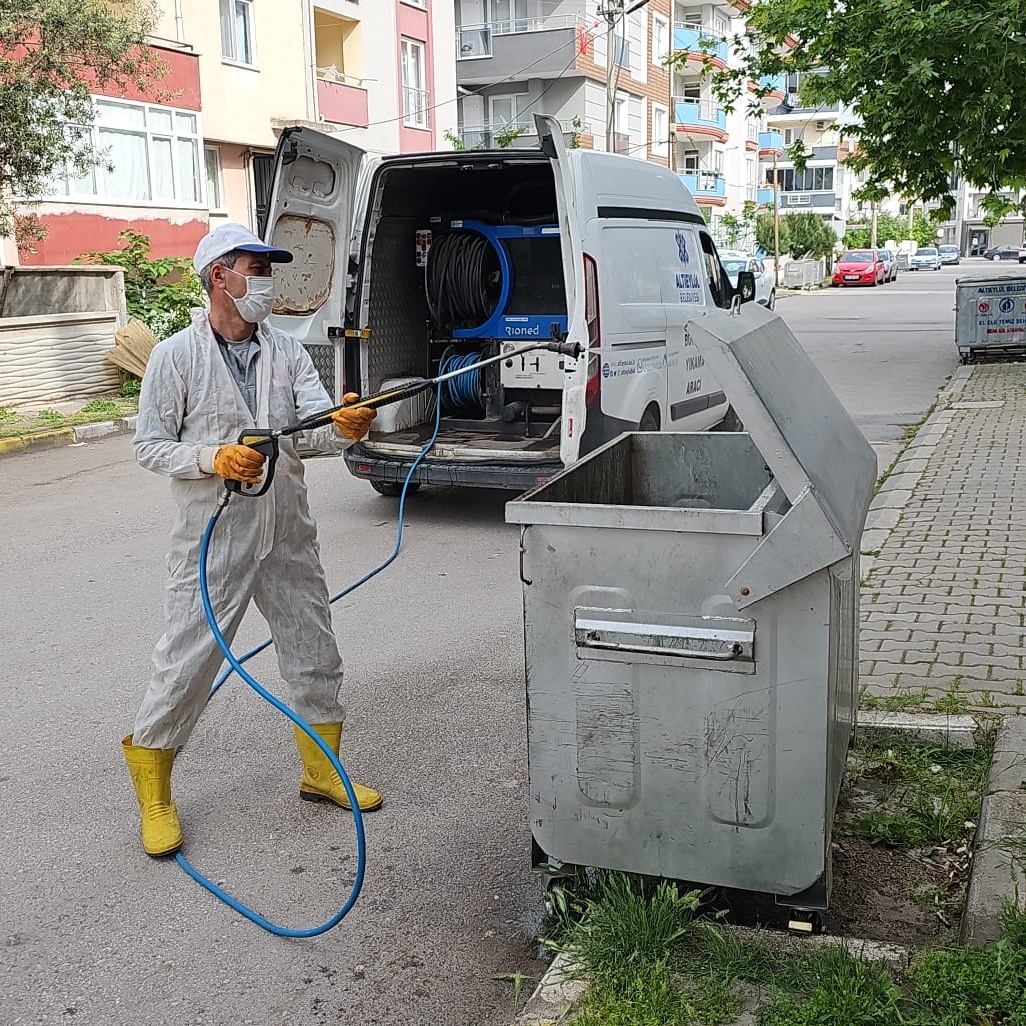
235 666
463 391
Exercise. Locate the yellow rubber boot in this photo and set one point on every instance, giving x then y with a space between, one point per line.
151 775
320 781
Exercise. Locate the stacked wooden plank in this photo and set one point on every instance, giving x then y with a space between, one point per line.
132 347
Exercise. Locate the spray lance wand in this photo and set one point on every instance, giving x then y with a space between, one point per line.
265 440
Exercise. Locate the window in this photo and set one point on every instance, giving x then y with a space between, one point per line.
692 93
719 285
502 111
660 130
237 31
212 169
415 96
690 162
151 154
660 39
812 179
788 136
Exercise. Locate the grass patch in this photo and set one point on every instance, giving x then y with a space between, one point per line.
925 796
652 959
14 424
952 702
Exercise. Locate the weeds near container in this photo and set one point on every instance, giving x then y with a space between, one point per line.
517 979
50 418
904 701
953 702
130 388
927 796
623 924
104 406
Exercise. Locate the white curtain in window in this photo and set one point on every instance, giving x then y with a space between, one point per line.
127 175
163 170
188 165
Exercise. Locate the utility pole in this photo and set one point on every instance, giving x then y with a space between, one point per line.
613 11
872 224
776 223
911 217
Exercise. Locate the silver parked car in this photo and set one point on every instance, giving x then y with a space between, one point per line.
927 258
950 255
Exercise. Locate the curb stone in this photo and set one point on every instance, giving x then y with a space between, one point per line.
66 435
998 865
38 440
931 728
557 992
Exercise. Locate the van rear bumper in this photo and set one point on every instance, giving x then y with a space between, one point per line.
476 474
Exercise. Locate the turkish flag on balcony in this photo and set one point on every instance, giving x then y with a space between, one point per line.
583 39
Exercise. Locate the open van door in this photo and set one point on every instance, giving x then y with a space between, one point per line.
311 214
571 229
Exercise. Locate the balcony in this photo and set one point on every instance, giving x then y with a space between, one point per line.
341 99
501 50
777 86
751 136
700 43
816 202
764 197
706 185
519 136
771 144
701 117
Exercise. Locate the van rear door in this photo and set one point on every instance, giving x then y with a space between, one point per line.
572 226
311 215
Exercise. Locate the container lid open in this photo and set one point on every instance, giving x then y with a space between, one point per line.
812 446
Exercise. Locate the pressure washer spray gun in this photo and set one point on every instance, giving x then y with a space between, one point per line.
265 440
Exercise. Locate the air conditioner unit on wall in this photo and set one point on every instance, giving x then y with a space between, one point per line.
821 126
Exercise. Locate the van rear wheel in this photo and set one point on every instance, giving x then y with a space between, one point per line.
393 490
650 419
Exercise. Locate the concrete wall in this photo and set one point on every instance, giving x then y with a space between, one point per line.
58 324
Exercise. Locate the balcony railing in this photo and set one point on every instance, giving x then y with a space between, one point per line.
774 83
764 197
705 183
700 113
341 98
772 142
701 39
516 135
475 41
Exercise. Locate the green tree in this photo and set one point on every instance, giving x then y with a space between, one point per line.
502 139
764 236
808 235
53 53
935 86
161 293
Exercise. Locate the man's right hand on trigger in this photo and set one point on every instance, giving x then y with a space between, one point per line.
239 463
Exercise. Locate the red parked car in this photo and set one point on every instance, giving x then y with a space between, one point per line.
860 267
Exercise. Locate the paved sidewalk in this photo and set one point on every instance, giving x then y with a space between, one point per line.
944 592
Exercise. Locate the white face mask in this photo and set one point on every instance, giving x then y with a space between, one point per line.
257 302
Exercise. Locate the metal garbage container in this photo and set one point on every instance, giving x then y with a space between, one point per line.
691 632
990 317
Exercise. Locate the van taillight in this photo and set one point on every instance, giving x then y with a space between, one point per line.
591 316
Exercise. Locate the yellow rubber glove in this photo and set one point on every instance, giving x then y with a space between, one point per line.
239 463
353 424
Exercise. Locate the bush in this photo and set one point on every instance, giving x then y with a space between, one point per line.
808 235
160 293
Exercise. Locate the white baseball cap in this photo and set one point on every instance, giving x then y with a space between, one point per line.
227 237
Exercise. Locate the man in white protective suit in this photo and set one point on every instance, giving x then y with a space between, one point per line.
228 372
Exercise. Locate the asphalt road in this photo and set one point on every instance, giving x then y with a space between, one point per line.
97 934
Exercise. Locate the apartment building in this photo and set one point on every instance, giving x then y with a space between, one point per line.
825 185
516 58
198 149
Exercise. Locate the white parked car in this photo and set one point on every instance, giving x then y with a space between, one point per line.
765 284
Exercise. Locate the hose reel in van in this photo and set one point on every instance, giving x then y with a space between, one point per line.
496 282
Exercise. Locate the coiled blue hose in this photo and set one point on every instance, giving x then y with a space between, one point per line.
235 666
464 391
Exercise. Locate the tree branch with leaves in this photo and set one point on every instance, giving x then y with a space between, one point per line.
53 55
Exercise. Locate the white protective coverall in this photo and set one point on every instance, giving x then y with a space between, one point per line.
263 548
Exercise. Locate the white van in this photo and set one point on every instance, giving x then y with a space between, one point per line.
406 264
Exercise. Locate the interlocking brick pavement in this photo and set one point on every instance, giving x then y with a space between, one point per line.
944 598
